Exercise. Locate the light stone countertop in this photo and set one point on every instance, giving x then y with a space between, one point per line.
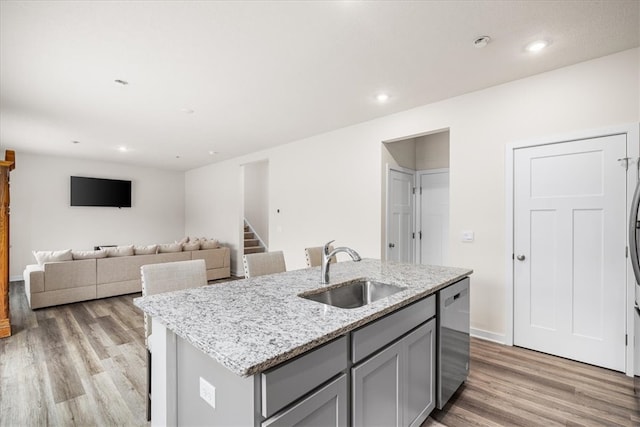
251 325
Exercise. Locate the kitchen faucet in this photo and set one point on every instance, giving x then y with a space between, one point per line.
326 257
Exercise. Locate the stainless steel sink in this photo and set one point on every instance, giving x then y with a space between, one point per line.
353 294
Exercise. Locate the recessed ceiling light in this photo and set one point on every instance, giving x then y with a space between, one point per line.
481 41
75 142
121 82
212 153
382 97
536 46
187 110
123 149
177 157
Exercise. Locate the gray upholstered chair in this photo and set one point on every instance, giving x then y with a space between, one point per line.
167 277
263 263
314 256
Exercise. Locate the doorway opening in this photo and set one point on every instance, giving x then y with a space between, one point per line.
415 193
255 210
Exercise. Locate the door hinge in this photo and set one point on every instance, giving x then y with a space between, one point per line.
626 251
513 256
421 191
626 340
420 234
413 235
413 190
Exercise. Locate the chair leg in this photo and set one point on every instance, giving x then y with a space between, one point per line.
148 385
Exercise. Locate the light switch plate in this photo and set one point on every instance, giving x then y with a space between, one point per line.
208 392
467 236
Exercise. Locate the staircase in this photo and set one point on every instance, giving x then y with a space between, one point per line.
252 244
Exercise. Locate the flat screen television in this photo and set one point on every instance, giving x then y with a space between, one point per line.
100 192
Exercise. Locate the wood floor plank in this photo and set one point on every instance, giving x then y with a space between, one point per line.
63 375
79 344
114 330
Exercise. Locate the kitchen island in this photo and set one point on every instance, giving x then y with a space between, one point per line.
253 352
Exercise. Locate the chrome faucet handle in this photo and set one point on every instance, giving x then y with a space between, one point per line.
325 249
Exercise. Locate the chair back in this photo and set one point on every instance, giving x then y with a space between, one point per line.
263 263
314 256
171 276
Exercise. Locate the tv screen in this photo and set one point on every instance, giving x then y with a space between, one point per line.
100 192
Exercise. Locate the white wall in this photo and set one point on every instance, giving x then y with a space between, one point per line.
41 218
329 186
256 198
432 151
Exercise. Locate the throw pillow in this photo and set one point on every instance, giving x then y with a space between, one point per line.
191 246
209 244
52 256
119 251
88 254
183 240
145 250
169 247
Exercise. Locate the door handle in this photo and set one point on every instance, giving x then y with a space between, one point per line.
520 257
392 245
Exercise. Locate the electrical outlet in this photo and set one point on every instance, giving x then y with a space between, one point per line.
208 392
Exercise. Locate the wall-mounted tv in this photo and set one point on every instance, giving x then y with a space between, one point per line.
100 192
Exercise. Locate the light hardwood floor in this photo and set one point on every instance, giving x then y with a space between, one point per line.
84 364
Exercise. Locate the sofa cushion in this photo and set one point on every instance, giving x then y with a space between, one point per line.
119 251
145 250
122 269
213 258
191 246
88 254
52 256
209 244
170 247
63 275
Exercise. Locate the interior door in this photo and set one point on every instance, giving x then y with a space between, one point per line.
400 216
569 244
434 217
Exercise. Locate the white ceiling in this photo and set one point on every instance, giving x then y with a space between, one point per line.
259 74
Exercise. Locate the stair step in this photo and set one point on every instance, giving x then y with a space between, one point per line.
248 235
251 242
246 228
253 250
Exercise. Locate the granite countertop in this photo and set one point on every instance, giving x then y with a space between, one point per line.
254 324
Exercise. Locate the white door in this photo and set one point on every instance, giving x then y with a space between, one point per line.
569 244
434 217
400 216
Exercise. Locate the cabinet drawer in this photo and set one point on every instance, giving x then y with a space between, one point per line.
376 335
326 407
284 384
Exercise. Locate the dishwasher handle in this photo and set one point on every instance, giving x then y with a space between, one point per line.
450 300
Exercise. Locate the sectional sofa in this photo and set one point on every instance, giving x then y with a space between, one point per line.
62 282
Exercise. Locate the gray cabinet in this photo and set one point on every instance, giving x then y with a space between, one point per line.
326 407
420 350
396 387
377 389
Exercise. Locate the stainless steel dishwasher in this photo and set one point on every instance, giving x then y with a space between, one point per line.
453 339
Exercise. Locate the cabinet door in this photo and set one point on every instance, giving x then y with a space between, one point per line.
327 407
420 386
377 389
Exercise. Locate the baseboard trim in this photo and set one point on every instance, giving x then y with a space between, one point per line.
15 278
488 336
